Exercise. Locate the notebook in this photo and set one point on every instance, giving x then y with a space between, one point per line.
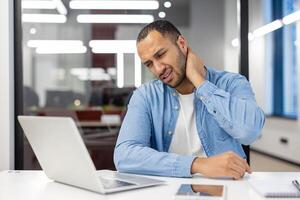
275 189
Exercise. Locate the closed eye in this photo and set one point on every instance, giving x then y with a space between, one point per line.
160 54
148 64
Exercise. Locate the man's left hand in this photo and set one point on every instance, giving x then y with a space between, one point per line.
195 70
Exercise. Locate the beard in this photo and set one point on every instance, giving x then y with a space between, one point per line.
181 65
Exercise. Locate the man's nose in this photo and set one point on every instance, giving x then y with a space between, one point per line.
159 68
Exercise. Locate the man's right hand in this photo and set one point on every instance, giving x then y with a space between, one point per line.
227 164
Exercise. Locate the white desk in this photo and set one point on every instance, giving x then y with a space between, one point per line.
34 185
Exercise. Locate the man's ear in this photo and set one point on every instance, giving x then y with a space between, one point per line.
182 44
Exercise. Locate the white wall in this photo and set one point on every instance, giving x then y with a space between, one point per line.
207 31
257 60
6 86
231 54
257 53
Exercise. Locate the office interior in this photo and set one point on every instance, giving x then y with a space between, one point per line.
58 59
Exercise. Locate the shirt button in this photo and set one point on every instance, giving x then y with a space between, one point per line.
174 94
201 98
176 107
170 132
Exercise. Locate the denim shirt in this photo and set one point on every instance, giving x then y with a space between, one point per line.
226 117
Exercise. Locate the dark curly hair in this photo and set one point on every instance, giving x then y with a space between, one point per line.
164 27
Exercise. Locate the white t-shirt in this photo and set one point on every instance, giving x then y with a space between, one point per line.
185 140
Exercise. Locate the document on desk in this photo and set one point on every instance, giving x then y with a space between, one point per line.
274 189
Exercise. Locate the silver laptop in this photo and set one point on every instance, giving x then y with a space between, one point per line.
64 158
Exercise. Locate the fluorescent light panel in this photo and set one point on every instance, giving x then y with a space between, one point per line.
87 71
267 28
260 31
92 77
61 50
115 5
46 43
112 71
113 46
117 18
92 74
38 5
291 18
44 18
60 7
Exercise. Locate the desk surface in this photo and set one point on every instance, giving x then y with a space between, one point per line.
34 185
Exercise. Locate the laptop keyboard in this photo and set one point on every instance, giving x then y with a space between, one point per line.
113 183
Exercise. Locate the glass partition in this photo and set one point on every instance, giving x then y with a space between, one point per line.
80 60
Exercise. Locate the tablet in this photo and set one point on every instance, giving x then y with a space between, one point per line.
201 192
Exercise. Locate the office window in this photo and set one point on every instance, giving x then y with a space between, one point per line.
273 56
290 105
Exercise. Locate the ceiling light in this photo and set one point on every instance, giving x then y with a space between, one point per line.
60 7
162 14
113 46
115 5
32 31
47 43
38 5
61 50
291 18
86 71
167 4
235 42
43 18
112 71
90 74
94 77
267 28
117 18
250 36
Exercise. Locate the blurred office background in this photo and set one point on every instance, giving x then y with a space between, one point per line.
79 60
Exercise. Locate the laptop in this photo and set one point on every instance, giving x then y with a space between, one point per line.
64 157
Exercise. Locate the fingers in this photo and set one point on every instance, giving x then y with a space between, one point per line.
238 169
248 168
238 165
235 175
245 164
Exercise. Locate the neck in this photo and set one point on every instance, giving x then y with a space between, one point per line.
186 87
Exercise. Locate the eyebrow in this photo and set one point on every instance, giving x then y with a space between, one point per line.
155 55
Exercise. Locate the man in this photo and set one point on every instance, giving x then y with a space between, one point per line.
193 119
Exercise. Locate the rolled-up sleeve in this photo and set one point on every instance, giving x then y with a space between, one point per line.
234 108
133 153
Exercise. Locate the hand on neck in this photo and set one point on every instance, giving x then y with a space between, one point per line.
186 87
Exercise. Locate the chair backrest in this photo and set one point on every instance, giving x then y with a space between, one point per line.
246 149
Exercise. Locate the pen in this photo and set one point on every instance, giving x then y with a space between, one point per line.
296 184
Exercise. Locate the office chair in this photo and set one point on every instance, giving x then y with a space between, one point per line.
246 149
